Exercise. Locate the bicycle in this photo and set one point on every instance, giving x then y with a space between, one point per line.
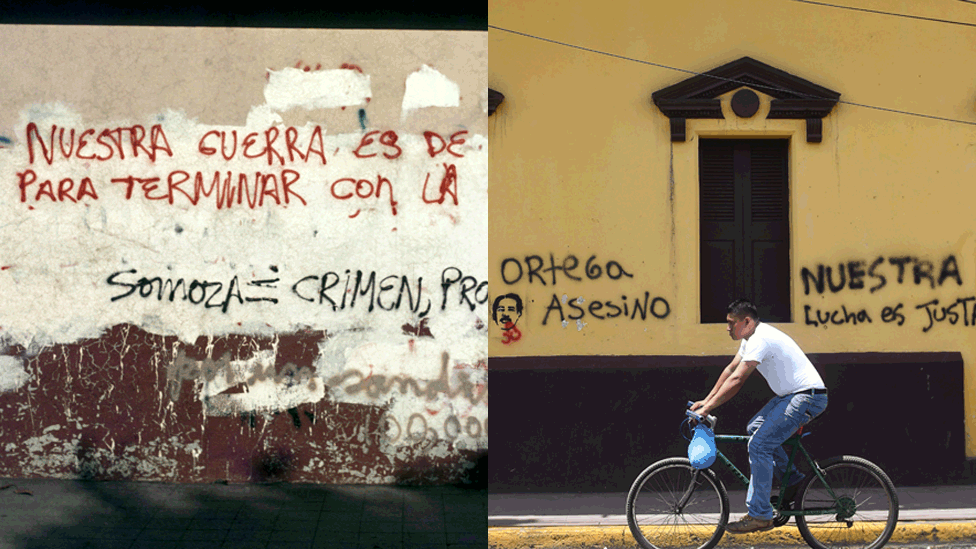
846 502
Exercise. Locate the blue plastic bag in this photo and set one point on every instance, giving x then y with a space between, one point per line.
702 451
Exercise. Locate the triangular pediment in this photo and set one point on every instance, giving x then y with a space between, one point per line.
494 99
793 97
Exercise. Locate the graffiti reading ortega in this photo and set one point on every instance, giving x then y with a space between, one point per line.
359 290
852 274
513 269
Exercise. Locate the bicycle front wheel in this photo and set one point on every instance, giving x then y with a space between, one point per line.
857 507
671 504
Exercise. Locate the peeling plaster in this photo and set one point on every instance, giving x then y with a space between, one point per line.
429 88
290 88
12 374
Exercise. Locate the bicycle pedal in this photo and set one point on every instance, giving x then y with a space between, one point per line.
774 501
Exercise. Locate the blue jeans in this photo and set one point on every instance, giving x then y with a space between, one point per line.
776 422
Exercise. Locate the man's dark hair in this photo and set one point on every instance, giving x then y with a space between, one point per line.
494 306
742 308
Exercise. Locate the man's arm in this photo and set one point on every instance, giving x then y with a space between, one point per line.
730 386
721 381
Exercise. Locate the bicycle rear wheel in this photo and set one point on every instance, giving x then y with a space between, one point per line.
863 514
655 513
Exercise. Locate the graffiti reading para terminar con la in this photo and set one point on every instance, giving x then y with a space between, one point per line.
277 184
339 291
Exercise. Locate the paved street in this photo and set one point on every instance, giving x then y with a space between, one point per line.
65 514
929 516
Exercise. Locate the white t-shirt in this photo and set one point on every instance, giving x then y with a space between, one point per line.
781 362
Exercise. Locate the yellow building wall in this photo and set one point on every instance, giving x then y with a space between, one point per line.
582 165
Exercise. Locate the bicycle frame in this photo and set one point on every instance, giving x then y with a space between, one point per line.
793 441
860 498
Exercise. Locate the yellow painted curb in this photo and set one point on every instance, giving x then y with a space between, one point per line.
619 536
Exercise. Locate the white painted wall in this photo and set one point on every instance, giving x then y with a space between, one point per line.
379 193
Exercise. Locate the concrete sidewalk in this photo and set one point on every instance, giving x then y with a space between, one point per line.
930 514
67 514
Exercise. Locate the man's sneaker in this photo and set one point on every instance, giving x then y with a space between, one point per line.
748 524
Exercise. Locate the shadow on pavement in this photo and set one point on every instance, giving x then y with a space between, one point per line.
69 514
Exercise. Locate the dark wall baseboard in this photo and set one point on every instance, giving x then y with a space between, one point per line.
593 423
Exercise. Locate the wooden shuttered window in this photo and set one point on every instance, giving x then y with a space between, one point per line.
744 226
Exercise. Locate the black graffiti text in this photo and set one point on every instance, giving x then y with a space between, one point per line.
513 270
893 314
949 313
960 312
209 293
836 317
470 292
874 275
574 309
371 290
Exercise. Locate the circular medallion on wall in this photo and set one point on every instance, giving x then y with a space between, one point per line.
745 103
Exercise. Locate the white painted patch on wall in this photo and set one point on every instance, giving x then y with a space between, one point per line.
290 88
264 392
12 373
429 88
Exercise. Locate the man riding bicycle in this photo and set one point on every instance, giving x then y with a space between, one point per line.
800 396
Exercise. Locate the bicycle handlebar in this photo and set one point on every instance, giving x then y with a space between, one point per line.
710 420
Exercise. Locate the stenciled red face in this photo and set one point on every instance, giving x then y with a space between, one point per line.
508 313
